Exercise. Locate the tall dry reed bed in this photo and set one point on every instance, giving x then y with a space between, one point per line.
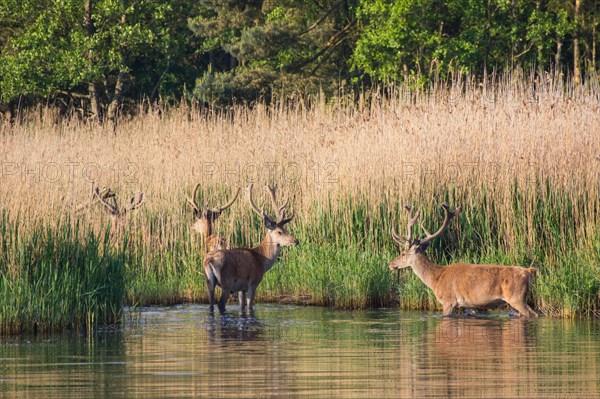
521 155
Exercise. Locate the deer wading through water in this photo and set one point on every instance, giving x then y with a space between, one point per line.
460 284
205 217
242 269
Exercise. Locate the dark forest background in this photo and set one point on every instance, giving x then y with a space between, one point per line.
102 57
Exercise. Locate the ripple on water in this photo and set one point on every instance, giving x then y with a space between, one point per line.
308 351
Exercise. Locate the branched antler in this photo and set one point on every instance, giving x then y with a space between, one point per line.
206 212
108 199
280 211
412 219
448 215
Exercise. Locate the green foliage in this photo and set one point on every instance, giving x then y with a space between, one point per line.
244 50
57 277
401 38
42 56
50 54
257 48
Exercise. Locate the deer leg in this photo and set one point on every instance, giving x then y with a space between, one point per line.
210 285
532 312
242 298
447 309
523 309
250 299
223 300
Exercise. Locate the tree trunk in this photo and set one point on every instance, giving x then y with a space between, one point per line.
538 46
576 56
116 98
594 23
88 25
558 56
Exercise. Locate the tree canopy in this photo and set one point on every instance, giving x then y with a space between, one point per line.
101 55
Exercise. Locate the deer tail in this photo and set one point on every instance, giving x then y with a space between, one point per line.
208 269
212 273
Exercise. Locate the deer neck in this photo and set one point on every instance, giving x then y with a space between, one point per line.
427 271
204 227
269 252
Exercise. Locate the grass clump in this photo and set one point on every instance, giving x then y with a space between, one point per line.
58 277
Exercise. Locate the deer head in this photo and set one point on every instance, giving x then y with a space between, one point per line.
116 212
204 215
278 235
415 246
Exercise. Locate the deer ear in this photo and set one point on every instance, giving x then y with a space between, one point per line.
269 223
212 215
423 247
286 221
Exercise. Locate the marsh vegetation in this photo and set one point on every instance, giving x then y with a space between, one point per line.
520 154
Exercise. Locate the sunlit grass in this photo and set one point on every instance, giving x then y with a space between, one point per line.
521 156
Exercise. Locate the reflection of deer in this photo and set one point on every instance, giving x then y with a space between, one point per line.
226 329
116 212
463 285
242 269
205 217
467 352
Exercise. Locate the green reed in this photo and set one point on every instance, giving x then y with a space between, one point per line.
64 276
345 247
57 276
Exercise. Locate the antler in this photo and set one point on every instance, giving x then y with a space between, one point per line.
279 210
255 208
411 221
448 215
227 205
113 207
107 193
135 203
192 201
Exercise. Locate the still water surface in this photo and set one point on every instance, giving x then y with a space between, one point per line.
292 351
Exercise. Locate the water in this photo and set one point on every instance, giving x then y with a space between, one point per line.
182 351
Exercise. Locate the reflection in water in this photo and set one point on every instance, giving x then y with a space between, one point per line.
478 358
297 351
227 328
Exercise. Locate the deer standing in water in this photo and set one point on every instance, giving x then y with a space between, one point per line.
205 217
242 269
460 284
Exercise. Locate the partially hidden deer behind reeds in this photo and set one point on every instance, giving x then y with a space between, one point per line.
116 212
204 219
460 284
242 269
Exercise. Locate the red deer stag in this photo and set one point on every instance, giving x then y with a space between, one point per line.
242 269
116 212
460 284
205 217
